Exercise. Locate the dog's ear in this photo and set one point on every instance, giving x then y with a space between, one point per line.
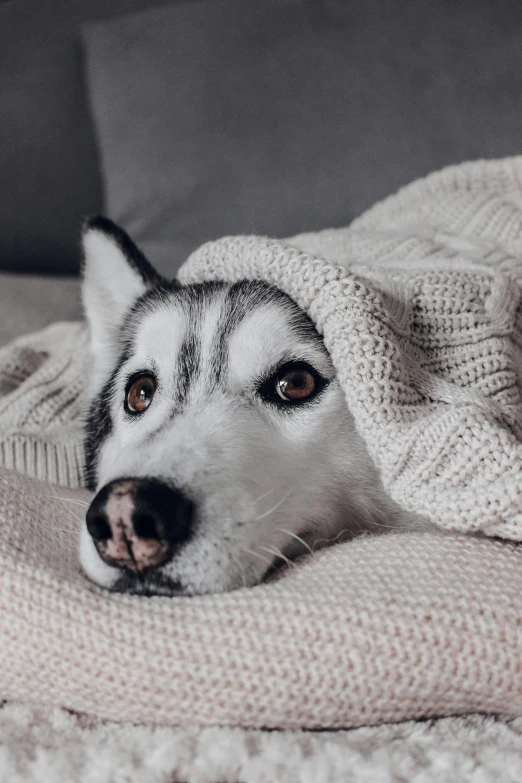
115 275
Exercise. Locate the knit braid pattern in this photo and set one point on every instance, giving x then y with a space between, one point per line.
42 378
419 303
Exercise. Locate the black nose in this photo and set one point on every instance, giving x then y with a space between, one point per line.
137 523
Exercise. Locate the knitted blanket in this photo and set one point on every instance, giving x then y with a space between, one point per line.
375 630
419 304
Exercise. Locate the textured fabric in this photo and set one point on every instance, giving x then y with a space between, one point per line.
380 629
42 378
419 305
56 746
272 117
31 302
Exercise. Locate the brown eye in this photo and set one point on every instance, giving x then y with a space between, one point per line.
140 393
295 384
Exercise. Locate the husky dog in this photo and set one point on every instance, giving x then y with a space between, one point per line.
217 438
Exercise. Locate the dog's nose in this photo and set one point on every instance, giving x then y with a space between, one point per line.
137 523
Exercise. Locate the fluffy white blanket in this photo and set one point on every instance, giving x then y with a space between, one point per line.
42 744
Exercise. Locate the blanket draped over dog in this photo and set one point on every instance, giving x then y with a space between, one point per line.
419 304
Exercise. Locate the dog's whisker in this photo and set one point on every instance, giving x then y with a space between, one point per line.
278 553
77 518
197 481
69 510
242 568
255 501
330 540
257 554
70 500
297 538
274 508
373 523
264 495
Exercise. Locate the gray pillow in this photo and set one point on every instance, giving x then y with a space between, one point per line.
280 116
49 171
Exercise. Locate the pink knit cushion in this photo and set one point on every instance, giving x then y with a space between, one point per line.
379 629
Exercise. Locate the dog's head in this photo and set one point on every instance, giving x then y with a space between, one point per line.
218 439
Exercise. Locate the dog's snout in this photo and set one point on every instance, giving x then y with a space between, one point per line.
137 523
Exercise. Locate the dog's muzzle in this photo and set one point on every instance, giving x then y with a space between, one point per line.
137 524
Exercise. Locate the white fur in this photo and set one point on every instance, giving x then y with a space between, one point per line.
110 287
268 484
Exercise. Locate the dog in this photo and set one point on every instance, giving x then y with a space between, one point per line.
217 435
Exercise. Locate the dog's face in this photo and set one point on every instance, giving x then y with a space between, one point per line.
217 437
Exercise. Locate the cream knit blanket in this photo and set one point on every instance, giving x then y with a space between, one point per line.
381 629
419 304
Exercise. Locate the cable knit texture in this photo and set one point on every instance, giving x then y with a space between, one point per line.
419 305
42 377
418 302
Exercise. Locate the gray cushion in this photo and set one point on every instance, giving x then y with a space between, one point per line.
48 162
276 117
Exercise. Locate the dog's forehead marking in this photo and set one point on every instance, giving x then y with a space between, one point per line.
160 334
179 338
205 337
269 336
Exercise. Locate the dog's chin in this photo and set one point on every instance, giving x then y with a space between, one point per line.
156 583
148 584
160 585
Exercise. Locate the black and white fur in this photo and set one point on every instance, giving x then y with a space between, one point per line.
268 482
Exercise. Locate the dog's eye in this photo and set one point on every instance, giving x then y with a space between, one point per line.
140 393
294 382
